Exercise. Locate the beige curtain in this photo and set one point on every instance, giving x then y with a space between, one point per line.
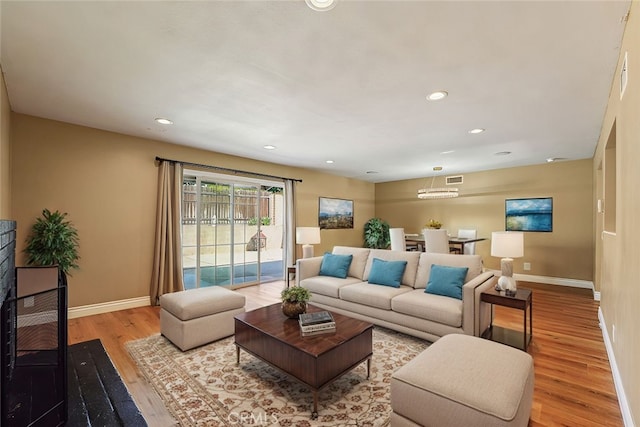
167 259
290 224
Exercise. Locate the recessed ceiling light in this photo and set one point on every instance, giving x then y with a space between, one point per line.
372 172
269 147
329 161
448 152
163 121
503 153
437 96
555 159
321 5
477 130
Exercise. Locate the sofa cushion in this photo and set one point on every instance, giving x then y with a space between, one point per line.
409 276
473 262
436 308
446 280
372 295
387 273
359 261
335 265
327 285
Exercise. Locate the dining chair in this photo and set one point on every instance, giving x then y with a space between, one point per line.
469 248
436 241
398 242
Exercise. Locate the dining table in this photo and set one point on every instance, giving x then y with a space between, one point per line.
416 242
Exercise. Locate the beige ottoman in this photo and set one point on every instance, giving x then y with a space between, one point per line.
461 380
199 316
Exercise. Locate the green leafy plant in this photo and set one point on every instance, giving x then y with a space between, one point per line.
295 294
265 220
376 234
53 240
273 190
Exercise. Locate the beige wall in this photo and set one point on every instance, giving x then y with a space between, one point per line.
566 253
5 153
618 251
107 183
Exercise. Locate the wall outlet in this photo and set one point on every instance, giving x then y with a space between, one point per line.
29 301
527 266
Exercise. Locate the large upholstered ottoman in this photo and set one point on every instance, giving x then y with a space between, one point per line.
199 316
461 380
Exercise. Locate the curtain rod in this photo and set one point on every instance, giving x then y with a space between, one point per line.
160 159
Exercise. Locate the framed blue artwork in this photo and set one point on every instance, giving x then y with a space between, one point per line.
535 214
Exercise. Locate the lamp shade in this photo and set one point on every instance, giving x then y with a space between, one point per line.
307 235
321 5
507 244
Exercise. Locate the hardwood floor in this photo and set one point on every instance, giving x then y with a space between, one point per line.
573 382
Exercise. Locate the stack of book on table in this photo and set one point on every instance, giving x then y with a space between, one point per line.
320 322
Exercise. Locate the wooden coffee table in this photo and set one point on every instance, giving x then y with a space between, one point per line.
315 361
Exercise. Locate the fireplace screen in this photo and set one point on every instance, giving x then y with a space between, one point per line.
35 362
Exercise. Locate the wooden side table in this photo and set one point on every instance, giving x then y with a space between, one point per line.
290 270
523 301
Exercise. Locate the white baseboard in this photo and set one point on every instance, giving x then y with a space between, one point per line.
560 281
617 379
107 307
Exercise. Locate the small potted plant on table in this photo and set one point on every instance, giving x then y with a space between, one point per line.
294 301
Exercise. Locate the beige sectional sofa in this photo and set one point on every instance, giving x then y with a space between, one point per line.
407 308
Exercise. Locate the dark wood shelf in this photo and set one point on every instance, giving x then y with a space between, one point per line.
522 300
506 336
291 270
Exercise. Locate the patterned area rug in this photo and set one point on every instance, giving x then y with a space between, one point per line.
204 387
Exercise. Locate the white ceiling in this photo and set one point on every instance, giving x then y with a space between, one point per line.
347 85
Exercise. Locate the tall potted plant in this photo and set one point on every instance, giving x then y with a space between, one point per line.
376 234
53 240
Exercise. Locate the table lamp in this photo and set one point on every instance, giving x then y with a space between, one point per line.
307 236
508 245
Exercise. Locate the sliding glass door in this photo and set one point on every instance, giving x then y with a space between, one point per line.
232 231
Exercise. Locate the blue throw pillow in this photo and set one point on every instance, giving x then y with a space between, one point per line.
388 273
335 265
446 281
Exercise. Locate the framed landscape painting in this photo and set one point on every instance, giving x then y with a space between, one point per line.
335 213
535 214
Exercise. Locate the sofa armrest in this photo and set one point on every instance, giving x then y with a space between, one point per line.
476 314
307 267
